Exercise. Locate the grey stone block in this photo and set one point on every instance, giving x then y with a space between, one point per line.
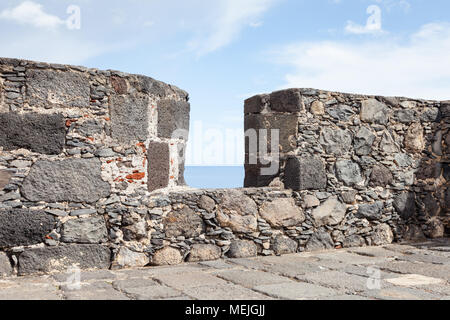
84 230
22 227
371 211
305 174
173 116
129 117
51 88
286 101
42 133
75 180
321 240
363 141
348 172
374 111
336 141
286 124
61 258
158 165
405 204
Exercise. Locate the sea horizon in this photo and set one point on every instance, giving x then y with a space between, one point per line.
212 177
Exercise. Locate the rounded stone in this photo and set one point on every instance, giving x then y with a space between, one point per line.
167 256
242 249
204 252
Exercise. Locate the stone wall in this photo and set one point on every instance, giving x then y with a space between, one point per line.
372 162
73 140
89 162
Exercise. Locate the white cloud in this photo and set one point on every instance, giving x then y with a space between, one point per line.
228 18
415 67
31 13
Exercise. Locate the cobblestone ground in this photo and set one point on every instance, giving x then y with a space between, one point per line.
417 271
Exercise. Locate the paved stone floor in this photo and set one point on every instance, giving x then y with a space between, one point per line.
416 271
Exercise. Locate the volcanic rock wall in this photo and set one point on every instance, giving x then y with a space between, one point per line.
73 140
87 159
360 160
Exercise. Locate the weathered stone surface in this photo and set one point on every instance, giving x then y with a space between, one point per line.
311 201
286 101
430 115
405 204
125 258
184 222
90 127
167 256
5 177
363 142
207 203
256 103
320 240
173 116
282 212
285 123
374 111
348 172
204 252
330 213
119 84
76 180
51 88
158 165
61 258
336 141
387 144
405 115
5 265
382 235
237 211
284 245
341 112
84 230
317 108
21 227
349 196
242 249
353 241
305 174
403 160
129 117
381 176
42 133
371 211
414 139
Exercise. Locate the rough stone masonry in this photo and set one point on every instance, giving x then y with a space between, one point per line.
89 162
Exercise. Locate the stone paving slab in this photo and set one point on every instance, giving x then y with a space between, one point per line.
394 272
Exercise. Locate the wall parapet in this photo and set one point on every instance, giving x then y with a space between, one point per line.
87 156
387 157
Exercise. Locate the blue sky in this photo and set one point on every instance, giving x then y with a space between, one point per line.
224 51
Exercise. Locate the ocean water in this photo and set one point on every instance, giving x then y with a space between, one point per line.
214 177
